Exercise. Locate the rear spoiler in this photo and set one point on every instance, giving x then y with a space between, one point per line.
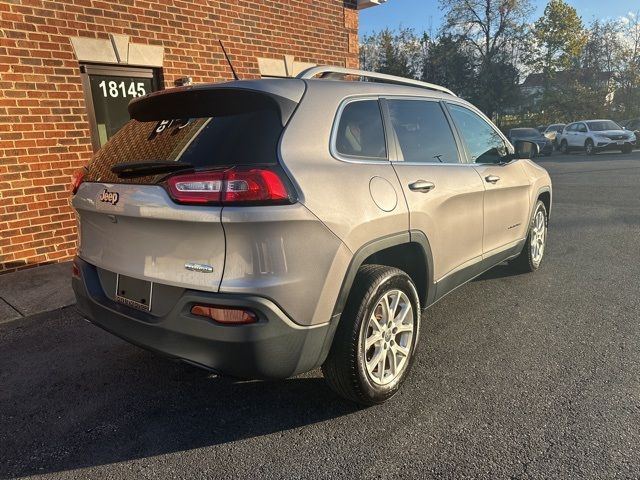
215 100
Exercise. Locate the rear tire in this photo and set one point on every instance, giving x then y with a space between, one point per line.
564 147
532 253
374 346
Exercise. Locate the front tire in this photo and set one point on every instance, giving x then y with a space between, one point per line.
589 147
627 149
374 344
530 258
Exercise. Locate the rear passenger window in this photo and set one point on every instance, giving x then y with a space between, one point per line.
423 132
360 132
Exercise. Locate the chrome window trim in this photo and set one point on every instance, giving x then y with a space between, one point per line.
334 134
432 164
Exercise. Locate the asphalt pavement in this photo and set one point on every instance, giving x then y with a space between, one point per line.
517 376
35 290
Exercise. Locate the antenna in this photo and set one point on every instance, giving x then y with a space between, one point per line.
235 75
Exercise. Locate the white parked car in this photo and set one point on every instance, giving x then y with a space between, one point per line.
594 136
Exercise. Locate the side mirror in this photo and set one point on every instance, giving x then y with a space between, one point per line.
526 149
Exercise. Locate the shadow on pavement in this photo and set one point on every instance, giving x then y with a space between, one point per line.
503 270
73 396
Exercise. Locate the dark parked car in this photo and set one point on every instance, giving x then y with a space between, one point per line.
532 135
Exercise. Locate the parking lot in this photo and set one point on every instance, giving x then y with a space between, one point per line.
524 376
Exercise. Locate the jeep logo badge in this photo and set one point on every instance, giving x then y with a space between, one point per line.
108 197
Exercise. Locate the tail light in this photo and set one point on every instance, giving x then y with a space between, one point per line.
231 187
225 315
76 180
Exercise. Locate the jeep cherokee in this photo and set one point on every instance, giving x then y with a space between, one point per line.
264 228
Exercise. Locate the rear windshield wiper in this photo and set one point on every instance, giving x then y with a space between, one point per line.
142 169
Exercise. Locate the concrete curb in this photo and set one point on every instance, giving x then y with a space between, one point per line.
35 290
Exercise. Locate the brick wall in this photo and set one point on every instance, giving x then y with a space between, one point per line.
44 130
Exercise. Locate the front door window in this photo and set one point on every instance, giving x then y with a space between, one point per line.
484 144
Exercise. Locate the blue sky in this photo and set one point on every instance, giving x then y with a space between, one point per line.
423 14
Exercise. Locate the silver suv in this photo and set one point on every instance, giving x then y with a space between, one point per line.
264 228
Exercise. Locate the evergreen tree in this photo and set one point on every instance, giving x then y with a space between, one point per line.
556 40
448 63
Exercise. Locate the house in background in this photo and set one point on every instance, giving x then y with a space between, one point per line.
69 68
533 88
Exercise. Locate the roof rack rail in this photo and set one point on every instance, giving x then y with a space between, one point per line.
329 72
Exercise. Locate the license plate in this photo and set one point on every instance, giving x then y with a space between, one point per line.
134 293
620 142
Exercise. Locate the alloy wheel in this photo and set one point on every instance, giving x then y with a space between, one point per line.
538 237
388 337
589 147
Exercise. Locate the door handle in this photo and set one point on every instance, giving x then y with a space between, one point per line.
421 186
492 178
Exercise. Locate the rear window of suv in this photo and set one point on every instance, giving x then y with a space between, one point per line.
248 138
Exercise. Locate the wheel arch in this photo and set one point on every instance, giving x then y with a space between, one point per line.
408 251
544 194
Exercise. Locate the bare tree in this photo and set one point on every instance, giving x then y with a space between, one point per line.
491 29
490 26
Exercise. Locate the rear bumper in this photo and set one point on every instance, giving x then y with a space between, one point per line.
275 347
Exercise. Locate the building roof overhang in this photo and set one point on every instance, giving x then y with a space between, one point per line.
362 4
